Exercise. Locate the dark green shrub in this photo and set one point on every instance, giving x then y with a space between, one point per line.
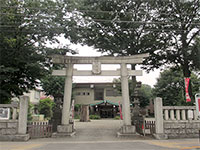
45 107
95 117
117 118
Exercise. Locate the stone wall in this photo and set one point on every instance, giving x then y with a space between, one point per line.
182 129
8 127
15 130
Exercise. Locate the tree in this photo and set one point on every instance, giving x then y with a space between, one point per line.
26 27
53 85
45 107
170 87
145 93
178 25
115 27
165 29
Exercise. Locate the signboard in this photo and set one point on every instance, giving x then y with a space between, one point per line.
4 113
197 100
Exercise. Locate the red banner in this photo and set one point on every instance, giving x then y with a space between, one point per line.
187 81
199 104
120 111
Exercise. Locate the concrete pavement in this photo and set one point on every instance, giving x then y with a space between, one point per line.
101 135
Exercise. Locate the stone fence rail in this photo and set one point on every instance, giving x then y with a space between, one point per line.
14 106
175 121
180 113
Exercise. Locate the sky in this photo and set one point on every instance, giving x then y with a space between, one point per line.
147 78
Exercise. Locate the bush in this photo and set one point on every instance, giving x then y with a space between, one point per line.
117 118
30 111
95 117
45 107
76 117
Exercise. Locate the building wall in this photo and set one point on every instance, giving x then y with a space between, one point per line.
34 96
89 99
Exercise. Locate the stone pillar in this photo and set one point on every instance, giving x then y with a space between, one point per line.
67 95
84 116
172 114
178 114
66 129
14 115
127 127
183 115
158 110
23 112
166 114
125 95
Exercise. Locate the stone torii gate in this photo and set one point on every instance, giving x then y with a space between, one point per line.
69 61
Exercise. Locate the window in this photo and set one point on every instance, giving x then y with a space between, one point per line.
98 94
82 93
112 92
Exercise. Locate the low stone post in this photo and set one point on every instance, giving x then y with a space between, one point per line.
166 114
23 112
178 115
84 116
22 122
158 110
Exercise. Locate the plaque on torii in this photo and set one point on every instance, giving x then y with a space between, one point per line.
96 62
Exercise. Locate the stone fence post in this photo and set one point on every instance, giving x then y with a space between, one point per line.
23 112
159 127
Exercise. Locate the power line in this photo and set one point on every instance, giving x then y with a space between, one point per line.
121 21
120 29
142 22
101 11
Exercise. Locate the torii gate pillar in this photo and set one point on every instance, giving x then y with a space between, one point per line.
127 128
65 127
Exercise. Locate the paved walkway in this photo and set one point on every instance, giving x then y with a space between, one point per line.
100 135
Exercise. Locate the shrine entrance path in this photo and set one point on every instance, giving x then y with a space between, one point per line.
97 130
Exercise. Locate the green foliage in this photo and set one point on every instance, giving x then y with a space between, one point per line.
95 117
117 118
26 28
170 87
145 93
77 107
167 30
53 85
30 111
76 116
176 38
45 107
